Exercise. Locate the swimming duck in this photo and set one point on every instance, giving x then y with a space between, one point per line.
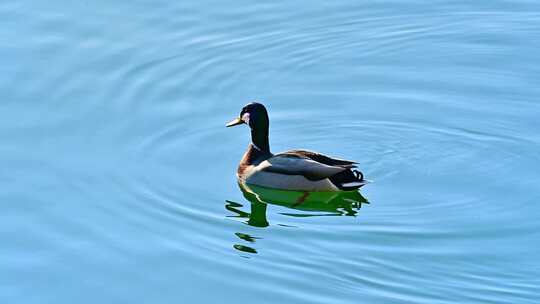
298 170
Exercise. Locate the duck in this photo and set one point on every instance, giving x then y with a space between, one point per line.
296 170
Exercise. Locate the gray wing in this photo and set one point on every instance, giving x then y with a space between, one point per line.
321 158
295 165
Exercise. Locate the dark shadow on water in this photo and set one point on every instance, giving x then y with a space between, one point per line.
303 204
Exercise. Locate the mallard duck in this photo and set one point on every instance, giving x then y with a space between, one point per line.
298 170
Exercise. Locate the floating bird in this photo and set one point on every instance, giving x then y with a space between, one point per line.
298 170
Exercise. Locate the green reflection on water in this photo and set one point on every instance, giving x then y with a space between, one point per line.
304 204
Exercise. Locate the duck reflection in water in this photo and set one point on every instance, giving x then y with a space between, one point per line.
302 203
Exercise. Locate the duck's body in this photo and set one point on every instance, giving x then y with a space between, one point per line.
299 170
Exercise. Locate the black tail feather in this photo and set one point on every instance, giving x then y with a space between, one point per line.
348 179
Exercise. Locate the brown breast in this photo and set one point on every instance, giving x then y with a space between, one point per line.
252 157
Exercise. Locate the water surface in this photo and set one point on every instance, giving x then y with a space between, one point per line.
118 173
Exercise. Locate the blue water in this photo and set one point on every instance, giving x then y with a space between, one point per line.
117 172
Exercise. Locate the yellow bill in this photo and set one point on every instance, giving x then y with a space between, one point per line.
235 122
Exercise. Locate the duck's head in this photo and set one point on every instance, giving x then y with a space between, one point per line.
254 115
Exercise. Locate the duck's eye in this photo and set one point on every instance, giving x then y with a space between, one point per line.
245 118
